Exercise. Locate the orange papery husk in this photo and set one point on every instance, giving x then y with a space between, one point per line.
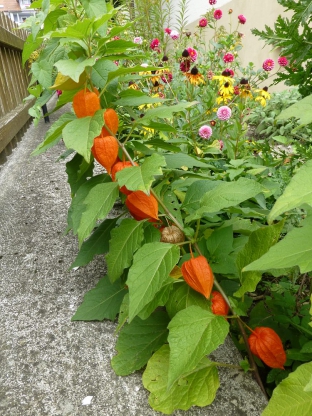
265 344
142 206
105 151
118 167
218 304
198 274
111 121
86 103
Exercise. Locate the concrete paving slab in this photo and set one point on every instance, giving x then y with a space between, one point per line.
50 365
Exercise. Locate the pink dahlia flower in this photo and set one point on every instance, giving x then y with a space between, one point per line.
242 19
224 112
203 22
192 54
138 40
282 61
228 57
174 35
268 65
167 30
217 14
212 2
205 132
154 45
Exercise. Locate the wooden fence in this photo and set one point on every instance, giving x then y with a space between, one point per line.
14 79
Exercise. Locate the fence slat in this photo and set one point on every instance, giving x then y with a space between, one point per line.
14 80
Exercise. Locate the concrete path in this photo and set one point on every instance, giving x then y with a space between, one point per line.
49 364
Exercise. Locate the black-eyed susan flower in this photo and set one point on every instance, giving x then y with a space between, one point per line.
195 77
263 95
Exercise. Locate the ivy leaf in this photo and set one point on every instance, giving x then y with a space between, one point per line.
102 302
290 397
141 177
73 68
294 250
296 193
54 134
182 297
195 389
98 203
152 264
80 133
258 244
96 244
137 341
193 333
125 240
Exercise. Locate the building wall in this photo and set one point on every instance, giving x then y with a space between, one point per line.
258 14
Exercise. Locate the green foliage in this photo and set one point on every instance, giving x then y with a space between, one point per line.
234 201
293 35
294 395
197 388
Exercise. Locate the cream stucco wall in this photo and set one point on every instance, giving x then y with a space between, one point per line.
258 14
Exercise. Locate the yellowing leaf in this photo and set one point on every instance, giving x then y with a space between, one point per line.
176 272
65 83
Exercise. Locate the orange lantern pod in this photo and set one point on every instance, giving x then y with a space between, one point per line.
265 344
120 166
198 274
105 151
142 206
86 103
218 304
111 121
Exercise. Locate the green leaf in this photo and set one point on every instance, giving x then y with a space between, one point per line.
125 240
96 244
220 241
100 72
159 299
74 68
131 70
54 134
80 133
30 45
184 296
228 194
102 302
297 192
151 267
290 397
259 243
195 192
133 98
141 177
80 30
301 110
76 207
42 70
78 170
97 204
195 389
193 333
137 341
180 160
165 111
294 250
94 8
